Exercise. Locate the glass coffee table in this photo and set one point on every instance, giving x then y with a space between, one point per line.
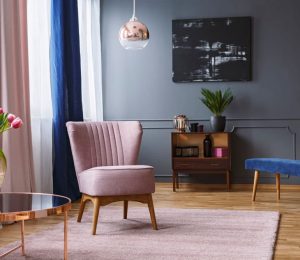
21 206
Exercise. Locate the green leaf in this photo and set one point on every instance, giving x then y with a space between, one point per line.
216 101
4 124
3 160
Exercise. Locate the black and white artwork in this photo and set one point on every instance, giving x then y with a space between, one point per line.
212 49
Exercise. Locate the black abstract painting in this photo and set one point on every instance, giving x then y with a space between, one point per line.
212 49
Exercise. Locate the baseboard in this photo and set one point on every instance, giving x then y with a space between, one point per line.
222 187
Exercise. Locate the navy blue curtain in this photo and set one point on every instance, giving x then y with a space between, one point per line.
66 91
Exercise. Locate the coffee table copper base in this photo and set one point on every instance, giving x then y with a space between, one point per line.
30 212
22 245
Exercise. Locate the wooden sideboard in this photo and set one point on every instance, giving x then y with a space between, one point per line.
200 164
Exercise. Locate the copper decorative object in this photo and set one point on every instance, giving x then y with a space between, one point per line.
180 123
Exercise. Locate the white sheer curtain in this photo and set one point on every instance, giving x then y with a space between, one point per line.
90 54
38 13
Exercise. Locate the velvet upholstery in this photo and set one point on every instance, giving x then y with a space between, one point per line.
104 143
117 180
105 156
65 79
274 165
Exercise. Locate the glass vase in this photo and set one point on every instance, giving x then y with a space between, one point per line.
2 168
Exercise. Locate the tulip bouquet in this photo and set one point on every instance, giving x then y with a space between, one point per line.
7 122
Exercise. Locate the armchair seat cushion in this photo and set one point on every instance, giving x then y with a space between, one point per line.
117 180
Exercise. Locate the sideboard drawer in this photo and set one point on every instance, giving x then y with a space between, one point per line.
200 164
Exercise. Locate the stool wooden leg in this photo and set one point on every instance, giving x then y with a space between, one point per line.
278 185
256 176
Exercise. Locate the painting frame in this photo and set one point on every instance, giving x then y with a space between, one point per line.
212 49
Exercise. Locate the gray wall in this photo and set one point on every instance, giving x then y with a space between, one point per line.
265 115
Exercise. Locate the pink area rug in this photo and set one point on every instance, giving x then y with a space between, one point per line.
183 234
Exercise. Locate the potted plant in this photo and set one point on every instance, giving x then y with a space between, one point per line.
217 101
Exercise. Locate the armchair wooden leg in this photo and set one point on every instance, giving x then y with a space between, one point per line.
81 208
278 185
125 210
152 212
96 202
256 176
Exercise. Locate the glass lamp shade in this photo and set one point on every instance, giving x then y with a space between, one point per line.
134 35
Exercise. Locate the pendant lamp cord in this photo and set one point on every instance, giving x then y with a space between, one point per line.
133 18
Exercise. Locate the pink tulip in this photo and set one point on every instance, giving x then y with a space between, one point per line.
11 118
17 123
1 110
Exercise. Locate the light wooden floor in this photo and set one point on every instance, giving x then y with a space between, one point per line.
200 196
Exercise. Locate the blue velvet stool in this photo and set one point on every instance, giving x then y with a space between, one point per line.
272 165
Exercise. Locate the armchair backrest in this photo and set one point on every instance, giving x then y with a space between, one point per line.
104 143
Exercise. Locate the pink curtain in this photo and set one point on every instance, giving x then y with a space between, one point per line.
14 94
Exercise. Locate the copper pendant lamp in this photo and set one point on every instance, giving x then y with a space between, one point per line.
134 35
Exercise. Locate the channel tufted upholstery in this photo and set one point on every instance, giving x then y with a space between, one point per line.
105 156
104 143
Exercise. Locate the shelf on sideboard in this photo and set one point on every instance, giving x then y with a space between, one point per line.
205 133
197 158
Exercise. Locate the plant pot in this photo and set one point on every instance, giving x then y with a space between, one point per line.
217 123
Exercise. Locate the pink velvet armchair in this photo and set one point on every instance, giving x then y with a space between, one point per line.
105 156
